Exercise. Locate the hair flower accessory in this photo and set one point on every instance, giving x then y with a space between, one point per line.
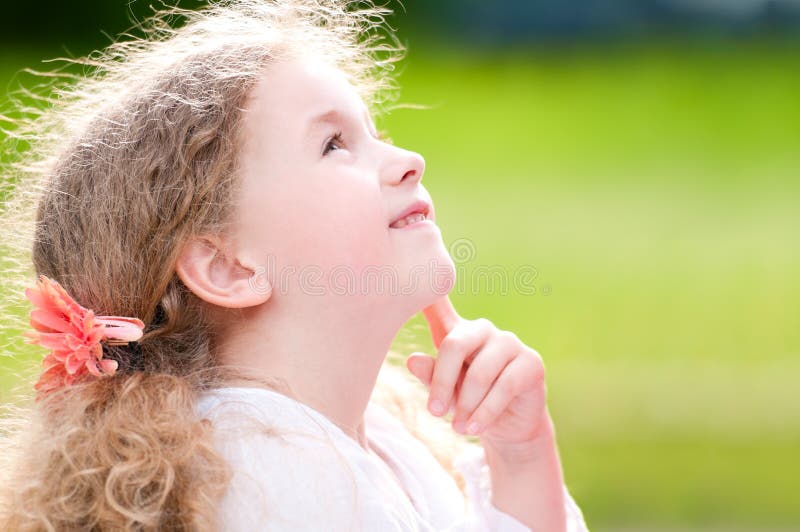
73 334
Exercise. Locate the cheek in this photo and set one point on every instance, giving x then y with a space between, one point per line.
348 228
322 225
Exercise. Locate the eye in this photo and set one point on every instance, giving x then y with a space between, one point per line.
333 143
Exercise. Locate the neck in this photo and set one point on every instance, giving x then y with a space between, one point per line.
328 354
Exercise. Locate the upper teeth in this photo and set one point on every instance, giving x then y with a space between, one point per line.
410 219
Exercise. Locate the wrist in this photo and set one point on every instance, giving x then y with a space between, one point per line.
526 480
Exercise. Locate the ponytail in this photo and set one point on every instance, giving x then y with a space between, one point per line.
126 452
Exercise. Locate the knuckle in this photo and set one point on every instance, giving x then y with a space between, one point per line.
539 374
506 387
453 343
478 378
483 323
508 338
537 369
534 356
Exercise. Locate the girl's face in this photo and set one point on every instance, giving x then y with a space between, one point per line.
321 191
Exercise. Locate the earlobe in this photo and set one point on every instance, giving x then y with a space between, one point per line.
214 276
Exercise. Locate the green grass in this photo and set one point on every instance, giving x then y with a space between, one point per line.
654 190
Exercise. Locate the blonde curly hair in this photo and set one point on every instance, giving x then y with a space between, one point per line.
122 165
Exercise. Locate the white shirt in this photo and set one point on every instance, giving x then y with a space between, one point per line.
295 470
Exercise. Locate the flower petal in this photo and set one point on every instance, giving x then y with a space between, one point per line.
35 296
108 366
46 321
52 340
51 361
73 342
60 354
39 299
50 379
121 328
74 362
63 299
73 334
91 365
95 336
32 337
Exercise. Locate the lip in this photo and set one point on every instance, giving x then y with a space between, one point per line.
420 206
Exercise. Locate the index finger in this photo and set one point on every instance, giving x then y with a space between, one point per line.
441 317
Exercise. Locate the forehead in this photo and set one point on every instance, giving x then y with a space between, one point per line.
293 92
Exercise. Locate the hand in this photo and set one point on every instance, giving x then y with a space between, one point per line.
493 381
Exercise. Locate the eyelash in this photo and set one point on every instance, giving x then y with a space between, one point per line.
337 137
330 142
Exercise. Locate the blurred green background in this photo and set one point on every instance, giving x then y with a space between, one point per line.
644 158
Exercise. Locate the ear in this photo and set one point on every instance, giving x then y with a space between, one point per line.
215 276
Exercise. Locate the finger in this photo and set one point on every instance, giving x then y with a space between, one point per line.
456 349
482 372
442 318
513 380
421 366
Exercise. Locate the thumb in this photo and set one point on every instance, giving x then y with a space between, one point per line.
421 366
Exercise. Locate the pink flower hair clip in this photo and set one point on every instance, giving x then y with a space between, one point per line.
73 334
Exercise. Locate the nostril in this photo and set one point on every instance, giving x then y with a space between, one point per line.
410 173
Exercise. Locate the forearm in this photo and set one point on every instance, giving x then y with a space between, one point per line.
527 482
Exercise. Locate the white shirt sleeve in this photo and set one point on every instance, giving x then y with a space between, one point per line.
482 514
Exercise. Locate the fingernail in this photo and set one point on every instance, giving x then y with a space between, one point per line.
437 407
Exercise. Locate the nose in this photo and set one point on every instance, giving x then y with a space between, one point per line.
403 167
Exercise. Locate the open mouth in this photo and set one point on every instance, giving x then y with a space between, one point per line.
415 213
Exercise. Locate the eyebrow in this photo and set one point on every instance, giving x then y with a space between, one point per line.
333 116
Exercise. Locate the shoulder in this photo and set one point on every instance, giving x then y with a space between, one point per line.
286 483
266 429
289 470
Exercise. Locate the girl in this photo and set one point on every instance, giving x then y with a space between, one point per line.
207 205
